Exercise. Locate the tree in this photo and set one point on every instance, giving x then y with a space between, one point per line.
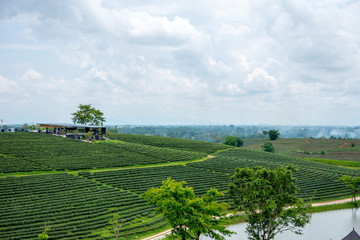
44 236
233 141
273 134
116 225
268 199
353 183
89 135
268 147
33 127
88 115
26 127
189 215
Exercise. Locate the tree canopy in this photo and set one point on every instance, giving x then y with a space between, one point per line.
189 215
44 235
353 183
233 141
268 147
86 114
273 134
269 200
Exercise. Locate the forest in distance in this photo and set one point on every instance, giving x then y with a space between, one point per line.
217 133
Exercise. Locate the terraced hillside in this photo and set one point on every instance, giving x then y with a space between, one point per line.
315 180
73 208
26 152
167 142
80 205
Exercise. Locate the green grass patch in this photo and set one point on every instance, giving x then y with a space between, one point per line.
334 207
341 163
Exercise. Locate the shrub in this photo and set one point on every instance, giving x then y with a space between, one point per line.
233 141
268 147
273 134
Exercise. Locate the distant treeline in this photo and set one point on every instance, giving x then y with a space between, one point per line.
217 133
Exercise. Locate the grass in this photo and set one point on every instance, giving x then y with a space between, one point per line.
75 172
335 149
334 207
348 164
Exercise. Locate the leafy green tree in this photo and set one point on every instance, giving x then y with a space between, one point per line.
26 127
88 115
233 141
273 134
33 127
269 200
107 133
268 147
44 236
189 215
89 135
116 225
353 183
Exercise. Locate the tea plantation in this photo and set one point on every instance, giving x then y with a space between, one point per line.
26 152
80 203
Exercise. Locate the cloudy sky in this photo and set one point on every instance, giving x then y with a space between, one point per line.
285 62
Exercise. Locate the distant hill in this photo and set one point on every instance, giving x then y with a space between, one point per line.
217 133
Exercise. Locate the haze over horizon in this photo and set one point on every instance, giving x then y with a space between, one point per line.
182 63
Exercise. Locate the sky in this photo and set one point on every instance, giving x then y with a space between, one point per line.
242 62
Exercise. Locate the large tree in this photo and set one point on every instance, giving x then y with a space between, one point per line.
353 183
233 141
189 215
269 200
273 134
88 115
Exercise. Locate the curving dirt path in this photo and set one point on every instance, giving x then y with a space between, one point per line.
159 235
333 202
167 232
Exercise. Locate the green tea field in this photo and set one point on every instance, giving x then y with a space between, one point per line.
338 149
74 187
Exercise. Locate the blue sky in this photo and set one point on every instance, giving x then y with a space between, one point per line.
181 62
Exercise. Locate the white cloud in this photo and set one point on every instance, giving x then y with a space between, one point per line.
95 73
178 57
146 29
31 74
260 80
7 86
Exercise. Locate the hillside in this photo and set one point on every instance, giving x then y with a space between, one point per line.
79 205
168 142
312 148
27 152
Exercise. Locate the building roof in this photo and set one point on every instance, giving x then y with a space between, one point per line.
352 236
68 125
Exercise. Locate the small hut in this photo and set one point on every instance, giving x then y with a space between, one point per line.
352 236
